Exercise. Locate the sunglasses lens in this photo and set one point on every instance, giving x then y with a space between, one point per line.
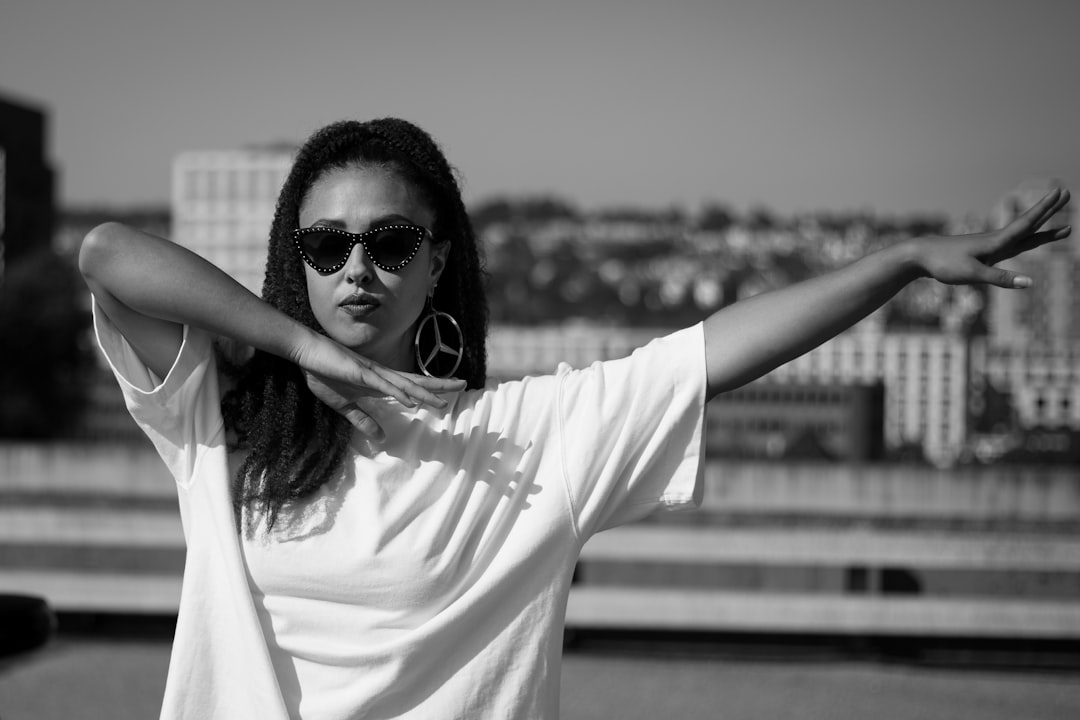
393 247
324 249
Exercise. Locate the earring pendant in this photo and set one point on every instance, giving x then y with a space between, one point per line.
431 346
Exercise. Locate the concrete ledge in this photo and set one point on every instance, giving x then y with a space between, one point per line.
659 609
639 543
835 547
732 488
97 592
893 491
127 470
91 526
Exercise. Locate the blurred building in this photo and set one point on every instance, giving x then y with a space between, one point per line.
27 181
1025 402
1042 381
925 376
798 421
223 203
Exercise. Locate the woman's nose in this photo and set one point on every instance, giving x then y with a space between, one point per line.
358 268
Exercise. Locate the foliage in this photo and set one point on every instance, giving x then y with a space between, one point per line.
45 358
716 217
548 262
518 210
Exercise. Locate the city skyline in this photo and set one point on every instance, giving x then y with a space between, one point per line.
913 109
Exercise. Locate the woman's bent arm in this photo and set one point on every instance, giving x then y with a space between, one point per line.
748 339
150 288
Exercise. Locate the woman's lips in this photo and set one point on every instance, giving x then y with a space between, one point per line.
359 305
359 310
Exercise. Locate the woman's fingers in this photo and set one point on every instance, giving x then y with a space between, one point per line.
344 376
421 388
1038 214
433 384
1025 244
340 404
377 379
424 388
363 422
1000 277
1046 236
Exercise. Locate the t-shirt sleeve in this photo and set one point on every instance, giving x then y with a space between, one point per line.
179 413
632 432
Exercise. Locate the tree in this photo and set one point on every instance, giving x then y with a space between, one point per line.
529 210
45 358
716 217
760 218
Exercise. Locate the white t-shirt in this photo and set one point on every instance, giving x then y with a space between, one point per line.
431 579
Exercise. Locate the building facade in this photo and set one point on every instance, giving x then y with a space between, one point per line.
223 203
925 376
787 421
1042 381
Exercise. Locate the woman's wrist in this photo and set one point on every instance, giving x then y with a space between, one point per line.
298 342
908 256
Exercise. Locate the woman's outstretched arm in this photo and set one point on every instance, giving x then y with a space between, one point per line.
748 339
150 288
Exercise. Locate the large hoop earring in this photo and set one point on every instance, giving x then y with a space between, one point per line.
430 335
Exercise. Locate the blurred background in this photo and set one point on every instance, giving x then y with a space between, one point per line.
907 495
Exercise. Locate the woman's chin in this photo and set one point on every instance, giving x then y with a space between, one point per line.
373 346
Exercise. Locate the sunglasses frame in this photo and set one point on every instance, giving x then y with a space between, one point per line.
358 239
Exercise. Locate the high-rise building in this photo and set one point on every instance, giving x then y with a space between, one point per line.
27 182
223 203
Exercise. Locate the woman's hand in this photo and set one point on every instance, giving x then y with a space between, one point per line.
965 259
339 377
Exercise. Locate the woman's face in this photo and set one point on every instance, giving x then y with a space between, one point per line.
371 310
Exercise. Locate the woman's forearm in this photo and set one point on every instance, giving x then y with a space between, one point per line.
159 280
748 339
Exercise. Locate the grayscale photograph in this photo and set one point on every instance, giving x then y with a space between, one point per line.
522 361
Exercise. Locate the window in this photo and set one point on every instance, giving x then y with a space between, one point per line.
212 190
191 185
232 189
252 185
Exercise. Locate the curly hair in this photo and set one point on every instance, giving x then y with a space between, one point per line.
295 443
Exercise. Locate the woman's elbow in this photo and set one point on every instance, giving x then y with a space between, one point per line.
98 247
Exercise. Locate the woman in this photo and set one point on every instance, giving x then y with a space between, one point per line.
365 540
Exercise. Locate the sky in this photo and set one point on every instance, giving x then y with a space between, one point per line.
921 106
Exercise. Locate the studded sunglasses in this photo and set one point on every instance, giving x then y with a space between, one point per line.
390 247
